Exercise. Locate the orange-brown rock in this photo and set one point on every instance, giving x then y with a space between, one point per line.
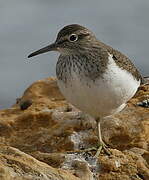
43 125
16 165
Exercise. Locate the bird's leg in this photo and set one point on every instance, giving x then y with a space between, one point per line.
102 145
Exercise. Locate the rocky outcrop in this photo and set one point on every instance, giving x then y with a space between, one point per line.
16 165
44 137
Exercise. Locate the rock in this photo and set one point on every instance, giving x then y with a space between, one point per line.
123 165
25 104
82 170
51 132
16 165
144 103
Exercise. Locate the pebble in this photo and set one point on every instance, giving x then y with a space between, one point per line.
144 103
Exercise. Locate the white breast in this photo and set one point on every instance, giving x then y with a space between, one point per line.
104 96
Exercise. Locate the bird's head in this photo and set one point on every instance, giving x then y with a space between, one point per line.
71 39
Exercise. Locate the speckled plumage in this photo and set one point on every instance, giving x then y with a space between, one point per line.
89 65
94 52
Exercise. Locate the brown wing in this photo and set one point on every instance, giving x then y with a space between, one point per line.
123 62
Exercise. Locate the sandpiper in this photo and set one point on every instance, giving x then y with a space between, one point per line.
92 76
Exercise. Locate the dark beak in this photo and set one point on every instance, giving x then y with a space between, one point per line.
51 47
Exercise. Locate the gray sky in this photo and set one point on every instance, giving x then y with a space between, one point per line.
27 25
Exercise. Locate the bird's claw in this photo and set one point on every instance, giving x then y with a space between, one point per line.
102 146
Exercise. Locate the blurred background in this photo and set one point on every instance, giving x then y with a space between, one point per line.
27 25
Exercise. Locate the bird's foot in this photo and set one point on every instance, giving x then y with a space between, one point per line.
102 146
83 150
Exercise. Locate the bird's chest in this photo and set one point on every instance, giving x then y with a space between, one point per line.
100 95
79 90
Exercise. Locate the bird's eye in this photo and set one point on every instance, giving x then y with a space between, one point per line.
73 37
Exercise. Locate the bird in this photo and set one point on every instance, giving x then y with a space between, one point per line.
92 76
